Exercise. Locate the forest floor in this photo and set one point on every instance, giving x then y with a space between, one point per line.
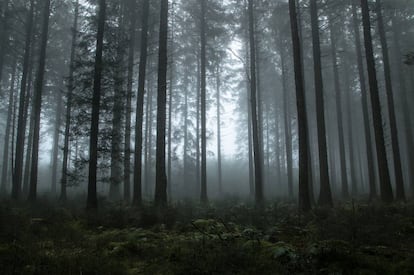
223 238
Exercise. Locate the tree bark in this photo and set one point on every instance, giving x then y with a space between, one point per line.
118 107
287 123
137 196
6 160
405 100
325 196
21 121
384 175
218 111
399 180
255 127
339 113
304 199
56 136
203 194
365 107
38 102
92 200
66 151
128 109
161 176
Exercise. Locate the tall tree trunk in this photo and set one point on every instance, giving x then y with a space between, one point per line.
26 177
287 122
56 135
6 160
170 105
399 180
249 116
198 179
161 176
92 200
149 143
137 196
255 126
365 107
304 198
339 113
4 10
405 100
38 102
21 122
128 109
325 196
384 175
185 149
203 194
116 140
349 119
218 96
69 96
310 160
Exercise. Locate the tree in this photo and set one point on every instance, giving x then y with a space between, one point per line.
21 121
253 92
384 175
131 57
304 199
69 96
92 200
365 107
339 114
325 196
38 102
5 168
137 197
400 194
117 109
161 176
203 195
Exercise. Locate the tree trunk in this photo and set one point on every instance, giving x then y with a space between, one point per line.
69 106
6 160
38 102
21 121
58 122
170 106
198 179
219 171
339 113
3 34
137 196
365 107
325 196
185 160
304 199
349 119
287 122
92 200
161 176
399 180
128 109
118 107
384 175
255 126
310 160
203 194
405 100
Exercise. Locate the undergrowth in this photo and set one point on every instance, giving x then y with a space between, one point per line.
228 237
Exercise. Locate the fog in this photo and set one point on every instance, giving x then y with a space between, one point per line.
75 78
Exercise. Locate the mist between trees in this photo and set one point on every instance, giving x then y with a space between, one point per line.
159 101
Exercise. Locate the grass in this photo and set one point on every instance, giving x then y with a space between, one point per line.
222 238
